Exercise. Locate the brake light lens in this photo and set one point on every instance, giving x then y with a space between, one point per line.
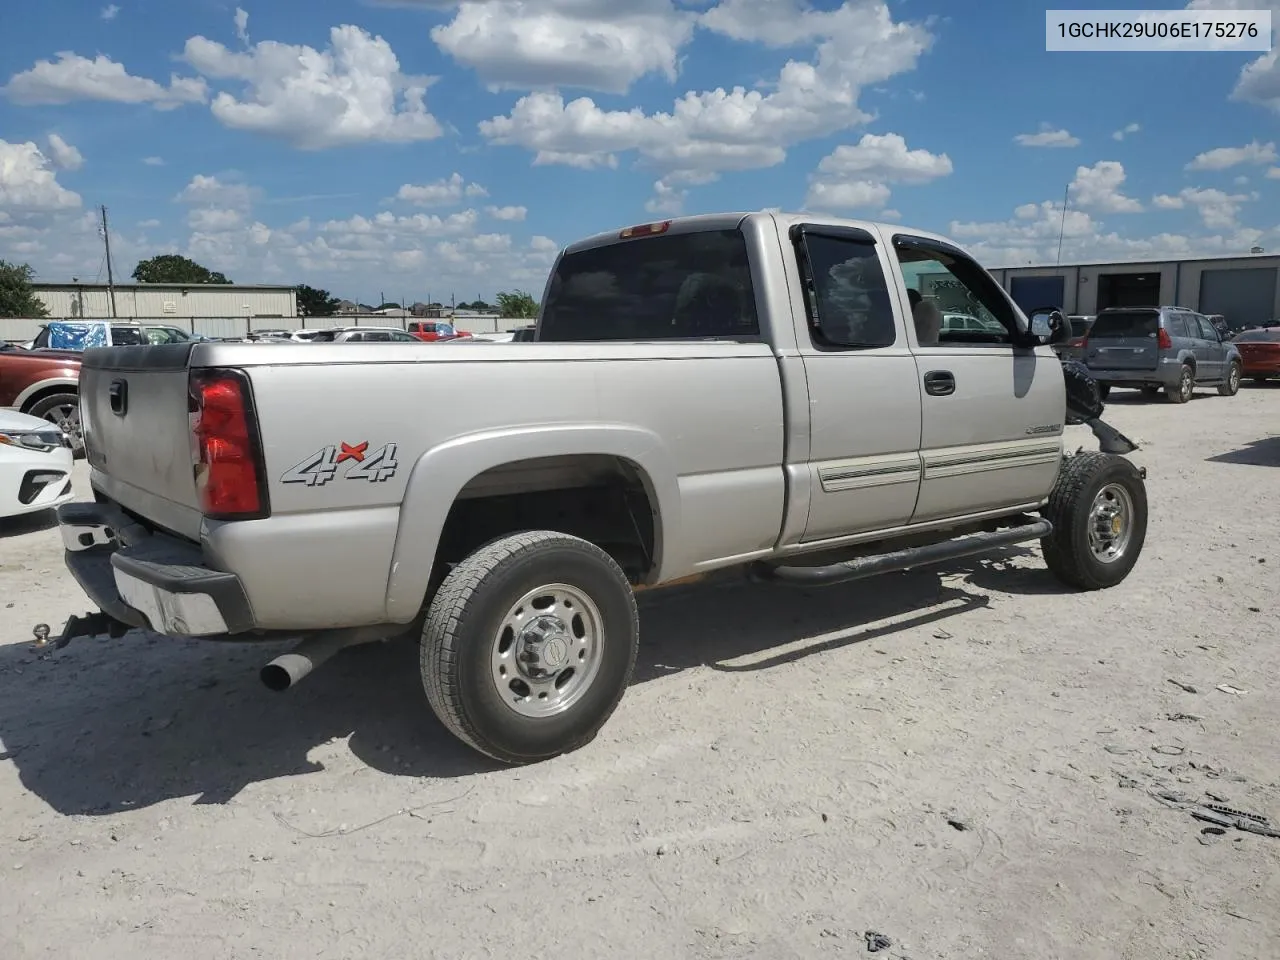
645 230
227 454
1163 339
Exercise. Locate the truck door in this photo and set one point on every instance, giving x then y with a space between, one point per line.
864 395
992 414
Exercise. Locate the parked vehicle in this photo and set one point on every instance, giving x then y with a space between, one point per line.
1260 353
963 321
1155 348
699 398
81 334
43 384
432 330
35 465
1073 347
361 335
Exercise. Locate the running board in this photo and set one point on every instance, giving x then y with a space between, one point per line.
898 560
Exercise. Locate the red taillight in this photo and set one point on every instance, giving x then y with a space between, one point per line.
1163 339
228 460
645 230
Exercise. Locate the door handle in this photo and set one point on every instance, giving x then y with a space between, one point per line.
118 397
939 383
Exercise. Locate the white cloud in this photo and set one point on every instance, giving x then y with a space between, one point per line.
210 191
853 176
595 44
1273 173
541 244
63 154
72 77
667 200
709 132
1127 130
28 183
214 219
109 12
351 92
153 161
1241 181
1098 188
1223 158
513 214
1217 209
441 193
148 224
1047 136
1259 80
241 20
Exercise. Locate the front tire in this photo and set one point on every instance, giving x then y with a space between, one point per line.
1183 390
1230 385
1098 508
529 646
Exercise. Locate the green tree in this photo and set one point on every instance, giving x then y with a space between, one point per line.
316 303
171 268
517 304
17 299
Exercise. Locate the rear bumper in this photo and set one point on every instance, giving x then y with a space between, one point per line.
1163 376
1260 368
149 580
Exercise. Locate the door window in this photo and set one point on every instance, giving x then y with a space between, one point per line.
847 297
1207 329
943 281
1175 324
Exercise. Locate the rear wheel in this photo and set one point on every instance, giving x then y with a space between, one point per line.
1183 390
1230 384
529 645
64 410
1098 508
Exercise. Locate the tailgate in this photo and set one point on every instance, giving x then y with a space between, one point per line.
137 431
1126 340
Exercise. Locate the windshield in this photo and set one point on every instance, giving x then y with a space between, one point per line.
679 286
1125 323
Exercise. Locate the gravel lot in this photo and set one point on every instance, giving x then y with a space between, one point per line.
961 760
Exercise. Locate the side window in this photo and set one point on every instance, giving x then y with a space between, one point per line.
847 296
1207 329
42 339
1175 324
127 336
355 338
941 281
380 336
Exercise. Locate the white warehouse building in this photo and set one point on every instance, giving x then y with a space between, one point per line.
167 301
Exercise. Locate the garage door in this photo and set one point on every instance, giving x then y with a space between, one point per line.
1242 296
1032 292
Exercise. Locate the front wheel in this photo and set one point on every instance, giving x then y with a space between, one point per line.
64 410
1098 508
529 645
1230 384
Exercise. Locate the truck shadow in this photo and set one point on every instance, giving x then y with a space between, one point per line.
108 726
1259 453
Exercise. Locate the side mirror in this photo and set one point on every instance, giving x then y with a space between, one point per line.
1048 325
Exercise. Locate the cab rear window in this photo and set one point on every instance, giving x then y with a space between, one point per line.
673 287
1125 323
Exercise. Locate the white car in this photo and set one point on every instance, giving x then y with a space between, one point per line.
35 465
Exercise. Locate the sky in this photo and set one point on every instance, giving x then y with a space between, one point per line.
428 149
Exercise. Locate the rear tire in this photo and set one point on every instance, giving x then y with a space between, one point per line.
64 410
1184 389
1230 384
1098 508
529 645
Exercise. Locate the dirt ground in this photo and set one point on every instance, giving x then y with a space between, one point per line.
962 761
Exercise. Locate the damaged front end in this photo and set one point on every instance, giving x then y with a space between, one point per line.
1085 406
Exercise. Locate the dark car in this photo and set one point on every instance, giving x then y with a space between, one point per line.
1073 347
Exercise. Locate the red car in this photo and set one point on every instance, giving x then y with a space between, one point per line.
433 330
1260 351
45 384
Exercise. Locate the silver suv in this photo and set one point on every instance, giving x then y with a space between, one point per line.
1154 348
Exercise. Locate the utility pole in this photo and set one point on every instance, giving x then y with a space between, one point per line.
111 280
1062 229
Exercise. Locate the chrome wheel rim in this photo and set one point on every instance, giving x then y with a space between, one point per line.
67 418
547 650
1233 379
1111 523
1186 384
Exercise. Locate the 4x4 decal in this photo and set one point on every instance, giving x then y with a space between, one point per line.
322 466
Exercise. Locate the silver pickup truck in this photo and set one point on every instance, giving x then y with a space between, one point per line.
773 393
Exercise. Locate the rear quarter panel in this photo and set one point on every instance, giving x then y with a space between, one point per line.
703 422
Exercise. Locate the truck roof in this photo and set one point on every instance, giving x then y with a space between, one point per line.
731 220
